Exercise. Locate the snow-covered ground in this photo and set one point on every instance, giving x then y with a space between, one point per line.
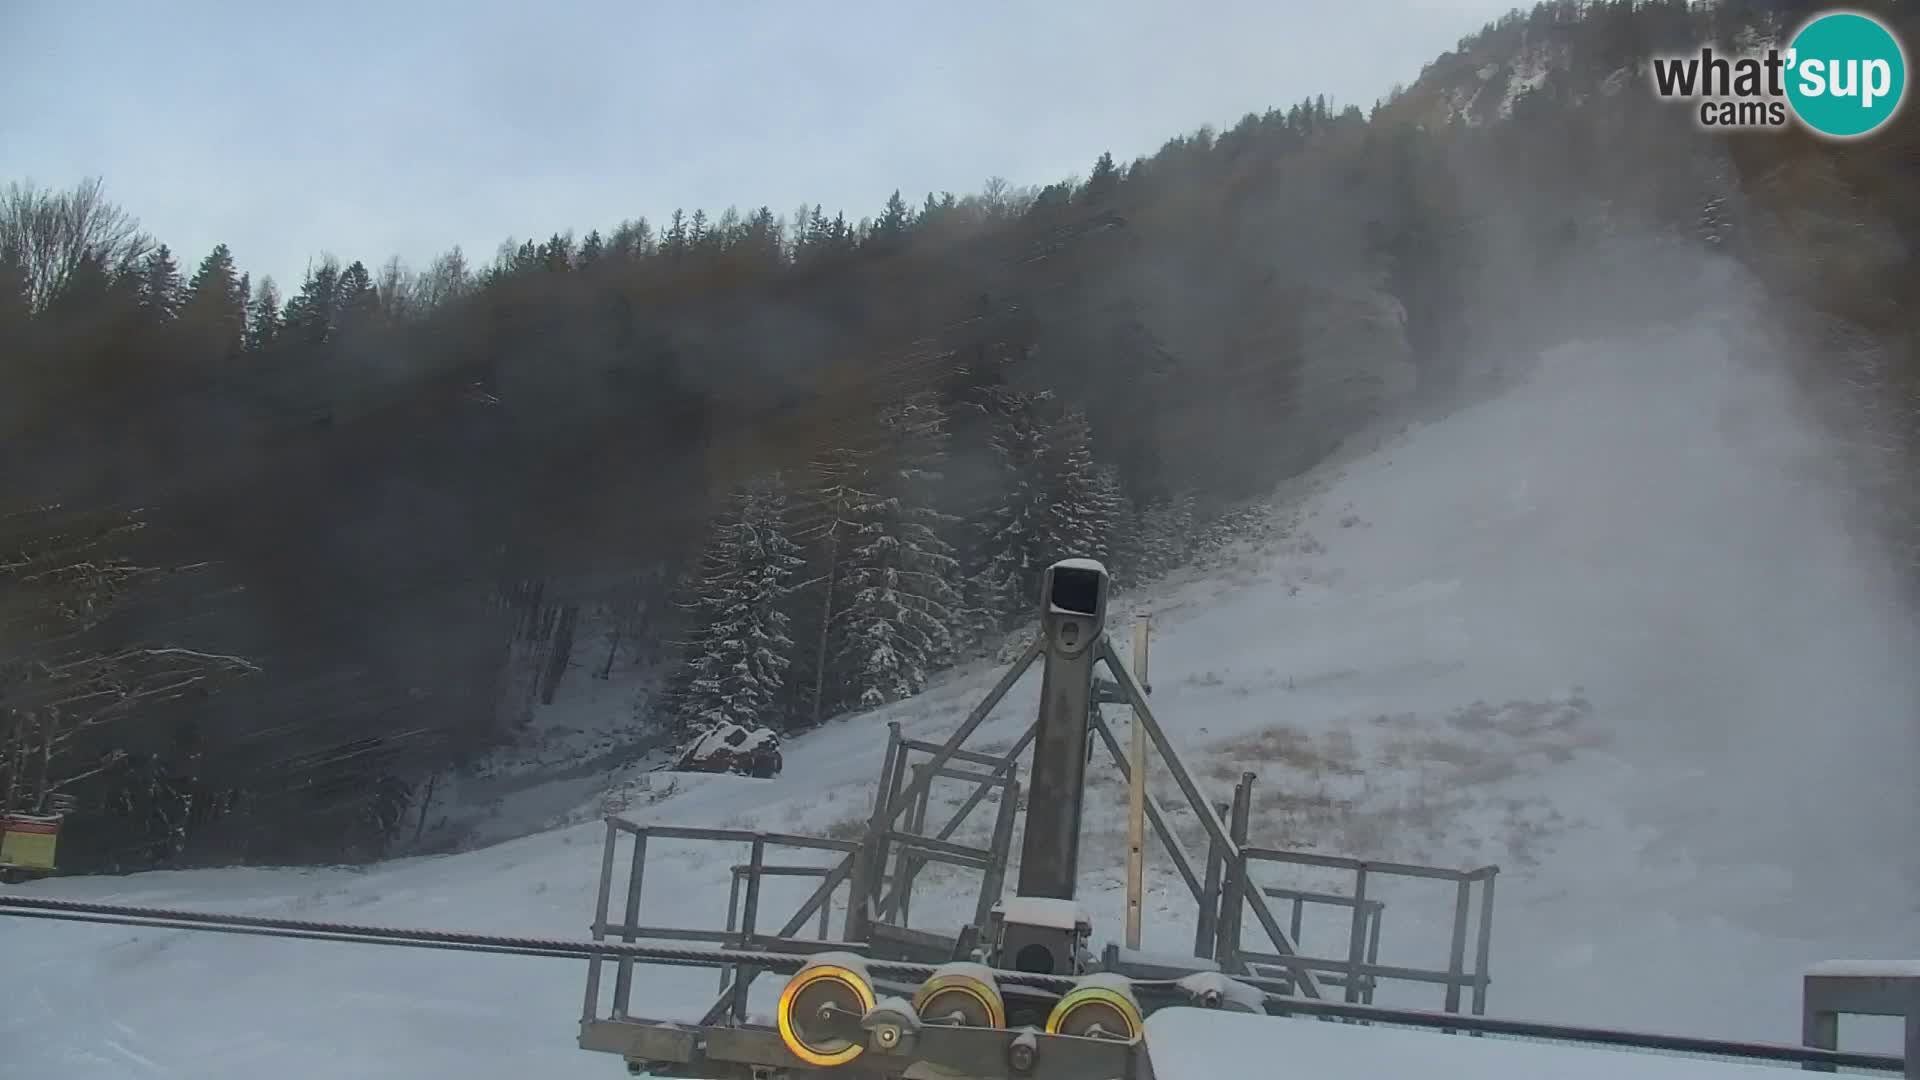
1207 1044
1605 630
549 776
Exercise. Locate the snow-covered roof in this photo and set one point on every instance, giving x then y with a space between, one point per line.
1213 1044
1081 564
733 737
1044 911
1868 969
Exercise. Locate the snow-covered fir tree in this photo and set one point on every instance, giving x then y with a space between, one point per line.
1083 503
838 484
1056 504
903 617
1123 537
737 658
1015 530
1165 536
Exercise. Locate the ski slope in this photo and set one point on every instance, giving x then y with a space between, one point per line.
1206 1044
1606 630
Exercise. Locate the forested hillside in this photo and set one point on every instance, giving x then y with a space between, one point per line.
276 554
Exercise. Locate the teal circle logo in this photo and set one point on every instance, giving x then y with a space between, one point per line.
1847 74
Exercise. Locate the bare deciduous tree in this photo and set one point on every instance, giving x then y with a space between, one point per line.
398 289
446 279
54 232
60 576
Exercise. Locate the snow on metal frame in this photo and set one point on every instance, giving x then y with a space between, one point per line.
1866 969
1055 914
1094 565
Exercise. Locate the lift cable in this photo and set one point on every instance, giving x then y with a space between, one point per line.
462 941
787 963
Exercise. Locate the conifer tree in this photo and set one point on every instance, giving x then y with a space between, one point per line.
1102 182
1165 536
839 486
1081 507
1055 503
903 617
893 221
1122 540
215 308
312 316
819 234
88 287
736 662
674 244
160 289
359 303
263 316
760 239
1015 528
556 255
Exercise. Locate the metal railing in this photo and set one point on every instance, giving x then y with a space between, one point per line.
863 867
743 918
1229 890
913 847
900 841
1369 914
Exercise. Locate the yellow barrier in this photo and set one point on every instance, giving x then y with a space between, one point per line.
28 842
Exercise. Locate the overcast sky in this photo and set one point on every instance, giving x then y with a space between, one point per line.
405 127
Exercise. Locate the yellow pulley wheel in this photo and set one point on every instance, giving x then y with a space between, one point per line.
807 1007
1097 1009
961 993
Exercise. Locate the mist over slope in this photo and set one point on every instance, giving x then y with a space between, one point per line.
1607 626
1675 522
1647 516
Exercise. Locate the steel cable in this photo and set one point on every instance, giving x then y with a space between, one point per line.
786 964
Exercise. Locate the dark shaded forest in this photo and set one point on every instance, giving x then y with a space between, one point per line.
273 560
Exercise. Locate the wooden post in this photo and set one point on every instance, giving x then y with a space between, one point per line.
1137 791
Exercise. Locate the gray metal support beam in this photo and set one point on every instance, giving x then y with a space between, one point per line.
1182 862
1057 783
1457 953
590 1010
1483 947
1203 810
866 868
1357 942
994 881
636 875
1234 889
1207 926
